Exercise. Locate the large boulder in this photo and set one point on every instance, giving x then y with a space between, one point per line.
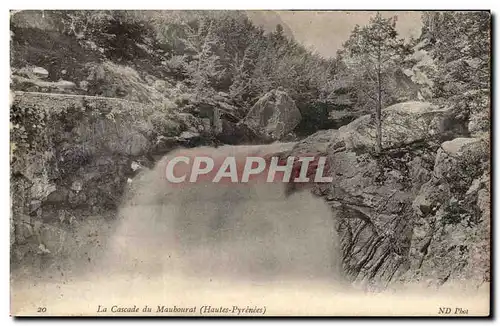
274 115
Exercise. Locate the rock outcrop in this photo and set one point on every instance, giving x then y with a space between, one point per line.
274 115
403 124
386 204
452 226
71 152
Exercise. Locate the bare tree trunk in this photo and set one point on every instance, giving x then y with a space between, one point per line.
378 113
217 121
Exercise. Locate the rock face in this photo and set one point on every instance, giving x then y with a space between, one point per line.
391 208
452 227
76 152
403 124
340 118
62 139
274 114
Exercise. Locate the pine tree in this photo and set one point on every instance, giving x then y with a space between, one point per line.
372 53
204 68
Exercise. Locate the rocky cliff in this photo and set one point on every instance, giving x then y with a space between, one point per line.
73 156
419 212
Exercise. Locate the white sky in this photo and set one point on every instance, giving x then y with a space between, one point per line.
325 31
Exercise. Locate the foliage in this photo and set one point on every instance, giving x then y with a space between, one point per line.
459 42
26 123
466 169
113 80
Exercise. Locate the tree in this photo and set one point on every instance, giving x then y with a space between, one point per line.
372 53
204 67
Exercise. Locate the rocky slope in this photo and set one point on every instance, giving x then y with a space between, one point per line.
419 211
